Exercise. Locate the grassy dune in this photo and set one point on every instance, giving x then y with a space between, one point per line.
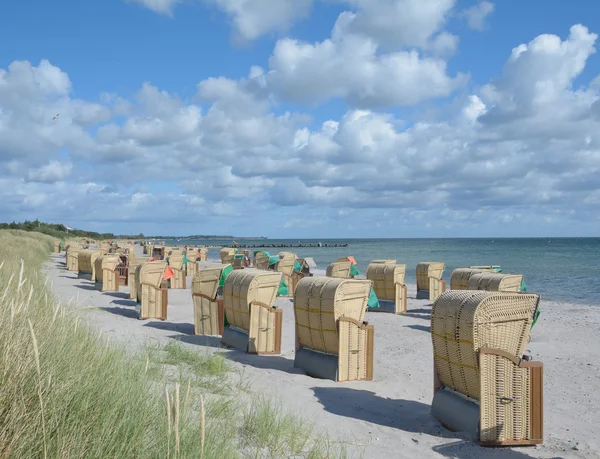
66 391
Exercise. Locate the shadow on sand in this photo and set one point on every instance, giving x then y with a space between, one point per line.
123 295
87 287
419 327
129 313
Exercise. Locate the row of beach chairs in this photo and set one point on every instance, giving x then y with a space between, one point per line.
484 384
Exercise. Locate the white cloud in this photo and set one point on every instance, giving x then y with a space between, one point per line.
396 23
476 15
165 7
254 18
523 148
51 172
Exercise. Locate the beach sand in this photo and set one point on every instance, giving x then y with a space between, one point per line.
389 416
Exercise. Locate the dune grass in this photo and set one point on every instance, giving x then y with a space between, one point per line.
67 392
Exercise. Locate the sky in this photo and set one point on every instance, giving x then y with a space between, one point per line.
302 118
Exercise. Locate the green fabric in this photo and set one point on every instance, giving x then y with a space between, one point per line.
239 256
61 245
224 275
373 300
536 315
297 266
283 289
274 259
354 271
185 258
523 286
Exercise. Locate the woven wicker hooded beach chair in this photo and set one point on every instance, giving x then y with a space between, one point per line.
332 341
482 383
86 262
132 267
254 324
107 272
56 246
261 260
495 282
227 254
158 252
209 313
152 292
429 280
388 282
285 266
339 270
176 263
239 261
459 279
73 257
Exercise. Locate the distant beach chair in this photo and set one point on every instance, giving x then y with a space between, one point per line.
152 293
86 263
459 279
131 270
158 252
257 254
429 280
239 261
285 266
483 384
332 341
254 324
107 273
56 246
209 314
495 282
73 257
227 254
339 270
388 282
175 261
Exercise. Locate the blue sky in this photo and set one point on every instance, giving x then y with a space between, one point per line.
192 140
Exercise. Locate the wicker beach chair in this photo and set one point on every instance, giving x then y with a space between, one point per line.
459 279
107 273
495 282
132 267
388 282
227 254
339 270
254 324
152 292
285 266
176 263
482 383
209 311
332 341
429 280
239 261
73 257
56 246
158 252
86 263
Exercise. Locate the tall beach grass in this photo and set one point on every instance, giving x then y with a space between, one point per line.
66 391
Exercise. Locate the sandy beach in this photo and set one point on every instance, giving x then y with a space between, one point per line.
389 416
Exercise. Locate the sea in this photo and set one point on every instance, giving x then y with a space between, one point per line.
560 269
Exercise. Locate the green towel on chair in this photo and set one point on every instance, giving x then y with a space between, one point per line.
354 271
283 289
373 300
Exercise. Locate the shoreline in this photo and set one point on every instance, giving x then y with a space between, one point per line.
389 415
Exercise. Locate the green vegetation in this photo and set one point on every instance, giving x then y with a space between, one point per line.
67 392
56 230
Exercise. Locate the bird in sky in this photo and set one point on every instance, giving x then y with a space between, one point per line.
56 116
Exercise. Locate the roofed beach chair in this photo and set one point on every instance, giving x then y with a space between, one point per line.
158 252
332 341
227 254
209 313
73 257
86 262
253 322
56 246
429 280
388 282
106 268
152 292
342 268
496 282
177 265
285 266
459 279
483 384
132 267
239 261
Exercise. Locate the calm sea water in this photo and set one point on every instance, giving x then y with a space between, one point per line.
565 269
